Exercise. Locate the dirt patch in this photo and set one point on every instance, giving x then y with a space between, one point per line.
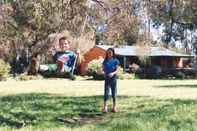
81 120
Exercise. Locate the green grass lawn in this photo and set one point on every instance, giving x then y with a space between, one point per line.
57 111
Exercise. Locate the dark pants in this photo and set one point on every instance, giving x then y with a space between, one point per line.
110 83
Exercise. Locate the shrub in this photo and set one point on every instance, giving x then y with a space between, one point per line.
121 75
127 76
95 68
179 75
120 71
4 70
25 77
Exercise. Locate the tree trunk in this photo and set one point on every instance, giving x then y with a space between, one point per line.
171 21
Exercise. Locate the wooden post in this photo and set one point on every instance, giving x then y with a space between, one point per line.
124 63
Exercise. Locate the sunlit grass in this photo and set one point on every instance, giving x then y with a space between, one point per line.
52 112
63 105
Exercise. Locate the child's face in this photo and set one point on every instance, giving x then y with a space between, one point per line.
64 45
109 54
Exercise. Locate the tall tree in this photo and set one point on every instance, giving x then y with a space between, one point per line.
28 23
118 19
176 17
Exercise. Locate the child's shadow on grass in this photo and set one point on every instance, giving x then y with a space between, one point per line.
22 110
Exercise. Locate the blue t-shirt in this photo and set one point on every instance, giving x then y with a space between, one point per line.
110 65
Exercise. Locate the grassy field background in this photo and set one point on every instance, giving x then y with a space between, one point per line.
183 89
61 105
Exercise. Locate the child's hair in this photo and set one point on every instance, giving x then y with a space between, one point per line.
109 49
63 38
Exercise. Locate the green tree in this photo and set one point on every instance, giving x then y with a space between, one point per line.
177 17
118 15
29 23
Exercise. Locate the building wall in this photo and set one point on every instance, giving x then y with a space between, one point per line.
94 53
168 62
179 63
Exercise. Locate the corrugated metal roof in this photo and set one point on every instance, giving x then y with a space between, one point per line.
137 51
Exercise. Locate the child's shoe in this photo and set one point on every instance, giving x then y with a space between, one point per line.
114 110
105 110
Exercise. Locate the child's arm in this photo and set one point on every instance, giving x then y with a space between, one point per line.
113 73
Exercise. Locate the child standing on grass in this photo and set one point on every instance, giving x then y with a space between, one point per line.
110 66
